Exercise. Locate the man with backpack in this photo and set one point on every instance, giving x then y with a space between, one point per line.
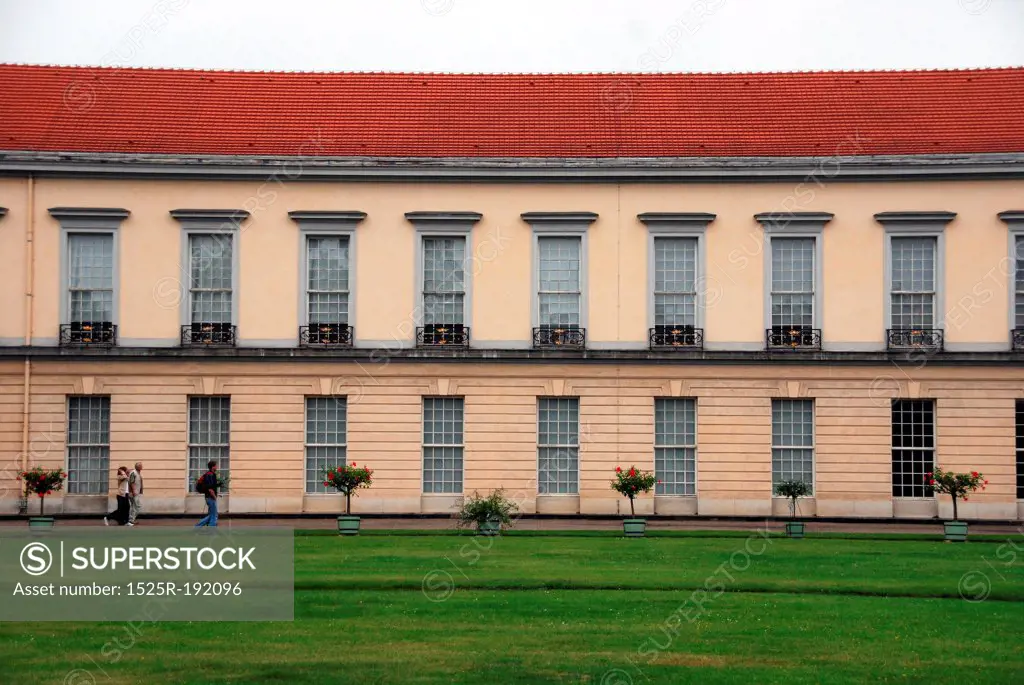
207 485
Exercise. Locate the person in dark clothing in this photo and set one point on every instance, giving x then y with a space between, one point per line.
208 485
120 514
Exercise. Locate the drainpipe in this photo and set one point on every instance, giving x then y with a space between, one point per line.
29 306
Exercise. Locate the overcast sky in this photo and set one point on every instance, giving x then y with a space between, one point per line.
515 35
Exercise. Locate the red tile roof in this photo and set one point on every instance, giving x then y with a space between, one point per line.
510 115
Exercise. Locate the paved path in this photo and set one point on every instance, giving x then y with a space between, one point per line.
924 527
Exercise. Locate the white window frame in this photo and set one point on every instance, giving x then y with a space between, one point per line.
934 449
795 225
917 225
424 446
578 446
218 222
694 446
678 225
813 449
1015 230
444 225
89 221
327 224
306 444
68 446
189 477
559 225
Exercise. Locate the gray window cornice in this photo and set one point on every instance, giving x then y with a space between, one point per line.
443 222
793 222
559 222
670 223
210 219
328 221
911 222
79 218
1014 218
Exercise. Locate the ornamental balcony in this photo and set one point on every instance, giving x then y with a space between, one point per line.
88 334
559 338
442 335
204 334
914 339
326 335
1017 338
792 338
676 338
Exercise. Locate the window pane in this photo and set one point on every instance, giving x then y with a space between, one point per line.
913 311
88 445
327 279
913 447
675 440
91 277
442 444
558 445
326 421
209 434
793 441
913 264
1019 281
792 295
211 278
1020 449
444 280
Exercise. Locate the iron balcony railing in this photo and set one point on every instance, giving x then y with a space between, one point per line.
560 337
88 333
208 334
793 338
326 335
913 339
442 335
1017 338
676 338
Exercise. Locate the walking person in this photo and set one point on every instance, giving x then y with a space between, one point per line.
135 490
120 515
208 485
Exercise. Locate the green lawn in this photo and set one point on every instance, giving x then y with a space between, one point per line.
584 609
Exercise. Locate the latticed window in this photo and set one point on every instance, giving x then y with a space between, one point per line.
88 445
675 446
443 444
1020 449
327 287
326 438
559 288
913 282
792 294
675 281
90 277
209 434
1018 300
558 445
793 441
913 447
444 281
210 289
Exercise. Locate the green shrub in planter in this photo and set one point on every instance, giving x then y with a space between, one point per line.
793 490
630 483
488 514
957 486
346 480
42 482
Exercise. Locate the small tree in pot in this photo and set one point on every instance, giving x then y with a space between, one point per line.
631 483
346 480
489 513
957 486
793 490
42 482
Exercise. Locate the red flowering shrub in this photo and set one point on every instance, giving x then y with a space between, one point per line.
632 482
42 482
347 479
956 485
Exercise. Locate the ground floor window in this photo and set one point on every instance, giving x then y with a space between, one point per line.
1020 449
793 441
209 435
443 444
558 446
675 446
88 445
913 447
326 422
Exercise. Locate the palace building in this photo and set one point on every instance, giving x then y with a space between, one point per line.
469 282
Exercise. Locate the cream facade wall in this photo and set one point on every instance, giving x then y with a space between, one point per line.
852 461
977 268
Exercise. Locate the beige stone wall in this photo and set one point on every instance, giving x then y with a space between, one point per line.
976 269
975 426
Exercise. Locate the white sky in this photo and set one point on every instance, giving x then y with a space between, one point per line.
516 35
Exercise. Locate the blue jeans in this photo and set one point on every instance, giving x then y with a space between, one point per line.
211 517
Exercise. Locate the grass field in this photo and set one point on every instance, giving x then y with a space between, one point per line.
584 609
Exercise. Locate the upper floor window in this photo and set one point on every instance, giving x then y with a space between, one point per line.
89 274
444 277
675 282
914 277
793 257
1015 222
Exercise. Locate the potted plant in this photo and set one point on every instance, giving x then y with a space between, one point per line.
42 482
346 480
957 486
629 484
489 513
793 489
